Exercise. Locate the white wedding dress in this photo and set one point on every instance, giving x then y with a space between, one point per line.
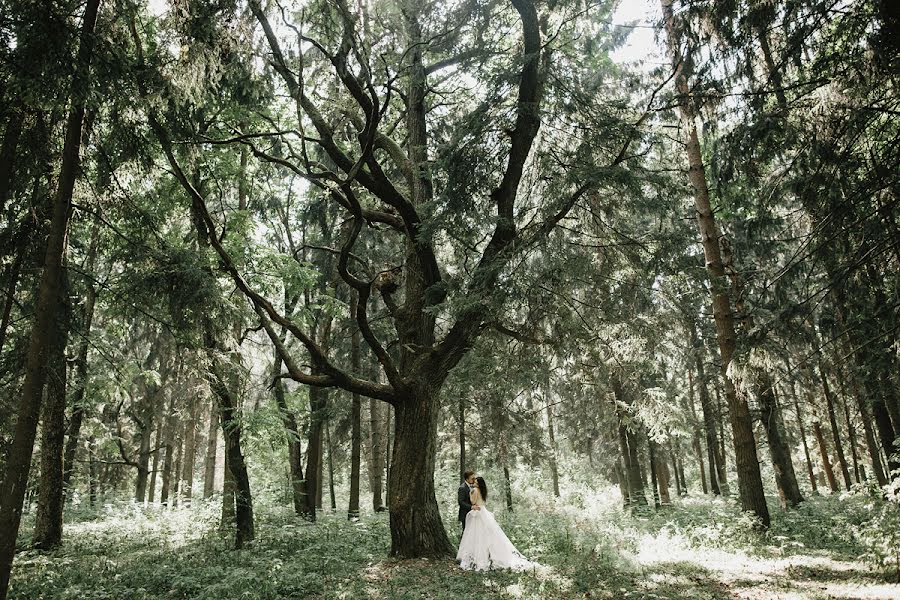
484 545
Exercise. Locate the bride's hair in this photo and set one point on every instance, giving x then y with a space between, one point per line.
482 487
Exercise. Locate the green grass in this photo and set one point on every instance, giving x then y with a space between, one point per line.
589 548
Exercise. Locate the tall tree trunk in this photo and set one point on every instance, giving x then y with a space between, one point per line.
73 430
154 467
15 479
554 469
709 417
779 450
169 446
695 442
832 421
48 522
462 437
209 463
317 409
826 462
12 280
809 465
92 471
378 452
628 442
179 459
229 492
145 429
232 430
8 154
190 452
292 439
750 486
330 465
355 420
851 432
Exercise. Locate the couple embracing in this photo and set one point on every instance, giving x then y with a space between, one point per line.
483 545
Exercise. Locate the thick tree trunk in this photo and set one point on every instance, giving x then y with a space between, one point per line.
229 494
416 526
826 462
355 422
779 450
209 462
654 476
48 522
750 486
15 479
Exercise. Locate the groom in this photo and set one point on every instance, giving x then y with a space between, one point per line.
465 504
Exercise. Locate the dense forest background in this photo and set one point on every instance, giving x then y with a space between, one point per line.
274 274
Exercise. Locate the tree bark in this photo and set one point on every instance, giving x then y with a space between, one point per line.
48 522
826 461
169 462
416 527
628 443
154 467
330 465
832 421
355 425
554 469
695 442
209 463
190 453
809 465
15 479
73 430
317 408
779 450
750 486
709 417
292 439
378 453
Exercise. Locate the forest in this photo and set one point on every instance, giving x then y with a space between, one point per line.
276 273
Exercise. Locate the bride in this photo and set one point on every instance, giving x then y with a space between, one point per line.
484 545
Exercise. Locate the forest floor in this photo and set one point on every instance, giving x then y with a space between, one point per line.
831 547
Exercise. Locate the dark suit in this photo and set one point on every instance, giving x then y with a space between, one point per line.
465 503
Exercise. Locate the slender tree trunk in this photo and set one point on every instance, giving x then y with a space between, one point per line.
317 409
832 421
145 428
330 465
628 442
232 431
554 470
48 523
695 442
851 432
826 462
154 467
462 437
12 274
654 476
709 417
15 479
209 463
177 488
8 154
92 471
779 450
809 465
292 439
508 488
388 457
171 426
378 453
190 452
355 423
73 430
